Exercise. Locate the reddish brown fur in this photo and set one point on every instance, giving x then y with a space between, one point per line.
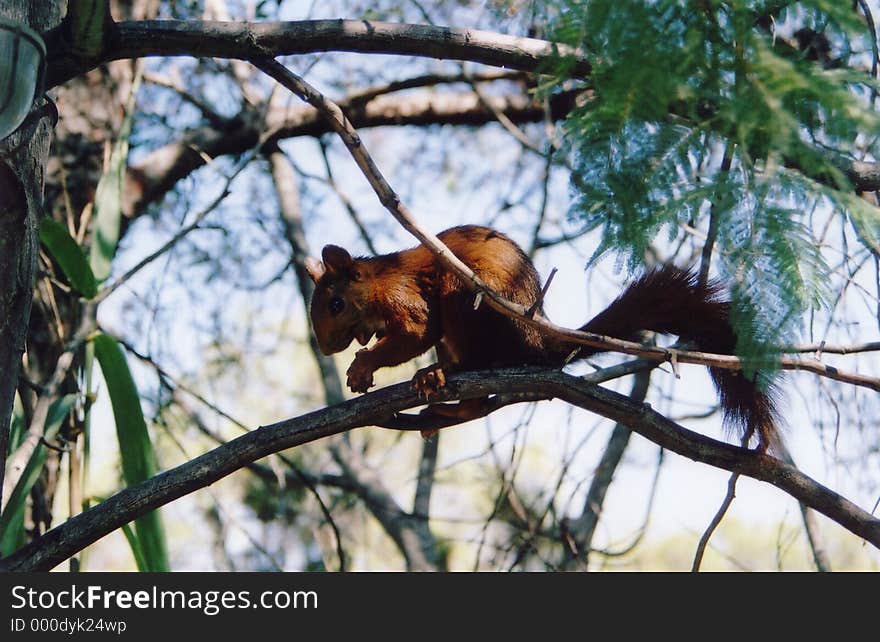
411 303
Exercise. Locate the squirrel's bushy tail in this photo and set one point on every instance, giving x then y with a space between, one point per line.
672 301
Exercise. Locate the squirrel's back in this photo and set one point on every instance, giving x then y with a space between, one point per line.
482 337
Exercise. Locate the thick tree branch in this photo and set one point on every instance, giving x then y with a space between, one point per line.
254 40
158 172
247 40
23 157
78 532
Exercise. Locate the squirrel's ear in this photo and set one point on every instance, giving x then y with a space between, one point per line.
337 259
315 268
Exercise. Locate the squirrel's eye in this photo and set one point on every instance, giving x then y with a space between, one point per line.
336 305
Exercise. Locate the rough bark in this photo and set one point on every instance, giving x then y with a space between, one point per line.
243 40
21 202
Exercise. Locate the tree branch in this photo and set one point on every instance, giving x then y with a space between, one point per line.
78 532
247 40
243 40
157 173
714 523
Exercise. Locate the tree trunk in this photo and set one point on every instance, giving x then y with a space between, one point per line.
21 202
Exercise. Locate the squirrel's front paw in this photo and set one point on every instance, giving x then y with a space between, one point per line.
360 376
428 381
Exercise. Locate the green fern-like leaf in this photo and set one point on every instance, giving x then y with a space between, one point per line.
774 84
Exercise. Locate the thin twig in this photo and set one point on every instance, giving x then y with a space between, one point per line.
346 201
224 192
722 511
540 300
214 118
820 348
430 80
714 218
716 520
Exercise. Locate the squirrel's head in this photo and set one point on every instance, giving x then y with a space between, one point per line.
337 308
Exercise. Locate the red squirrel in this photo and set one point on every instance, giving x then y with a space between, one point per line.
411 303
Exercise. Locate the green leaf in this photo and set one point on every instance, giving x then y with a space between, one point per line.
135 447
12 537
14 512
108 195
16 427
69 256
87 26
136 548
866 221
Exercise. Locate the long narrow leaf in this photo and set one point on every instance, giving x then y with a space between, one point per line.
108 195
135 447
69 255
16 427
136 549
12 537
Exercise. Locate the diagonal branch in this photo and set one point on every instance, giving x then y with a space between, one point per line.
391 201
157 173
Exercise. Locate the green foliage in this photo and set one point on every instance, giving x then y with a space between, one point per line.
135 448
87 23
774 268
676 86
69 256
12 519
108 195
16 426
135 544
